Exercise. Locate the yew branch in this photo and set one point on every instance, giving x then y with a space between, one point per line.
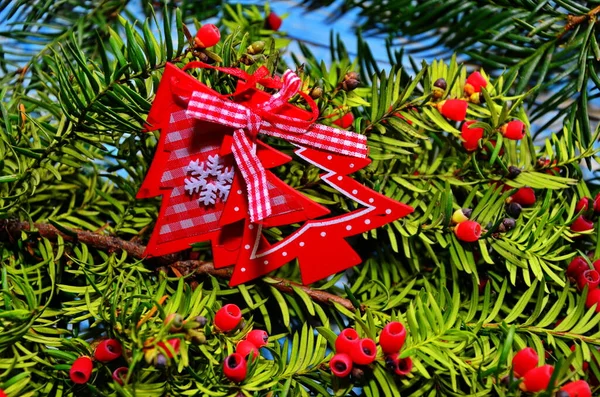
10 230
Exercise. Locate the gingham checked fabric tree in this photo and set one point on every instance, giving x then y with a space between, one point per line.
189 146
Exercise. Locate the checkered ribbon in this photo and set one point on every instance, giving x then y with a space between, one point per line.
264 119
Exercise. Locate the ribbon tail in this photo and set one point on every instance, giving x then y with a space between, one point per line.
254 174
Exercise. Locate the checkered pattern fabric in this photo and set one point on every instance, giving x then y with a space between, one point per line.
189 139
264 119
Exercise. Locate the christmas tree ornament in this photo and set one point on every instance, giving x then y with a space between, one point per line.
514 130
475 82
525 197
212 171
593 298
81 370
208 35
537 379
174 321
341 365
258 337
120 374
468 231
578 388
346 340
591 278
273 21
235 368
392 337
228 317
471 135
581 224
364 352
108 350
525 360
453 109
245 348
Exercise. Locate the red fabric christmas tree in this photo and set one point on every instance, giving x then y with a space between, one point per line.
212 173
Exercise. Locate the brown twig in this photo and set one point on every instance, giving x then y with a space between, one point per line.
10 230
575 20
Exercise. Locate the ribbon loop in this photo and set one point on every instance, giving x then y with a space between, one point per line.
248 123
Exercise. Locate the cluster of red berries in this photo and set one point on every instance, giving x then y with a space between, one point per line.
588 208
579 270
106 351
456 109
352 350
536 378
235 367
465 229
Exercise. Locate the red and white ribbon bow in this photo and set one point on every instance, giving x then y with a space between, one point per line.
265 120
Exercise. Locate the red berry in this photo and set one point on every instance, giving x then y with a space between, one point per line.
583 204
108 350
453 109
596 265
345 121
471 136
585 365
3 394
120 374
581 224
578 388
176 322
364 352
207 36
228 317
392 337
525 196
468 231
346 341
537 379
577 266
597 204
258 337
591 278
175 344
475 82
525 360
81 370
514 130
245 347
341 365
235 367
401 366
593 298
273 21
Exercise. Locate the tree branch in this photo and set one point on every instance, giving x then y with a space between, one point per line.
574 20
10 230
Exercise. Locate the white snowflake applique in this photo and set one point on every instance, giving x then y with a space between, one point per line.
211 179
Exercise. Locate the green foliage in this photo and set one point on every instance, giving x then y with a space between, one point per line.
73 155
